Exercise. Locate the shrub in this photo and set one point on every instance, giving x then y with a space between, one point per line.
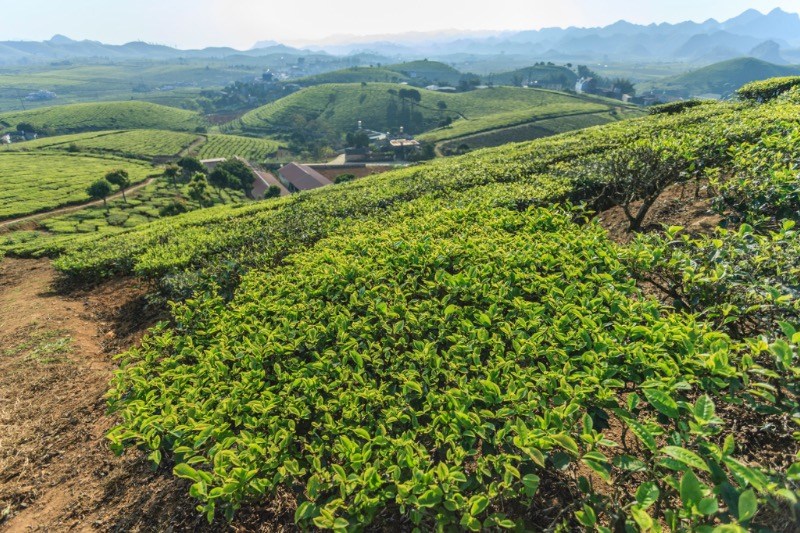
765 90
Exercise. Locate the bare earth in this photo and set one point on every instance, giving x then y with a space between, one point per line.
56 359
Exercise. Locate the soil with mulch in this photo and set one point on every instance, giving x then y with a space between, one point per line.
685 205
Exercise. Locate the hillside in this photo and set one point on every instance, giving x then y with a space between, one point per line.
33 182
355 75
429 72
459 345
102 116
141 144
721 79
339 107
538 74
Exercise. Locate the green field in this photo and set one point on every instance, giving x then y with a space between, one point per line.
34 182
341 106
88 224
355 75
137 143
103 116
228 146
536 129
542 74
721 79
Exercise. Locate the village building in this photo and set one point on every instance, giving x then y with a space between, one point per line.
5 139
297 177
211 164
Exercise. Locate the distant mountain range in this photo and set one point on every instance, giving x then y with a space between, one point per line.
64 48
773 37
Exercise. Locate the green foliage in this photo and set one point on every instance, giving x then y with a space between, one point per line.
35 182
198 189
142 144
344 178
230 146
99 190
763 91
436 347
675 107
382 106
105 116
640 171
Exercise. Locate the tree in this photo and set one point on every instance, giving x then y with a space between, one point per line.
172 172
99 190
191 166
273 192
624 86
442 105
241 176
221 178
198 190
26 127
641 172
121 179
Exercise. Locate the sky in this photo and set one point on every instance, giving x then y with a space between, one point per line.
240 23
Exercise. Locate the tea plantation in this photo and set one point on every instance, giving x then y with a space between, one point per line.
33 182
460 345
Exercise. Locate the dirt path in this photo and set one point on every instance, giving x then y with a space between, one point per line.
56 359
56 472
130 191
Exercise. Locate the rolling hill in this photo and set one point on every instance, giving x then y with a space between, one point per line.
103 116
379 107
541 74
721 79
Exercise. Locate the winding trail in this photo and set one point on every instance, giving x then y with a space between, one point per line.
76 207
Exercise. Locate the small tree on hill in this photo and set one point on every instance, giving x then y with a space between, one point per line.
220 179
242 177
191 166
198 190
99 190
172 172
121 179
273 192
640 173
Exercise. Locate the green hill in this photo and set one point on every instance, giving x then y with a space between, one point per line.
428 72
143 144
541 74
103 116
355 75
454 345
721 78
339 107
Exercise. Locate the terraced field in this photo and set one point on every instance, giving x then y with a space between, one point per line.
136 143
256 150
103 116
34 182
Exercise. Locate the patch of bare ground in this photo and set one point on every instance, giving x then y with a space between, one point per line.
684 205
56 471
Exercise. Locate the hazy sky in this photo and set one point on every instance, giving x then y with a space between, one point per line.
240 23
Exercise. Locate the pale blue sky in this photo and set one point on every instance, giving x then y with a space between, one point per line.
240 23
